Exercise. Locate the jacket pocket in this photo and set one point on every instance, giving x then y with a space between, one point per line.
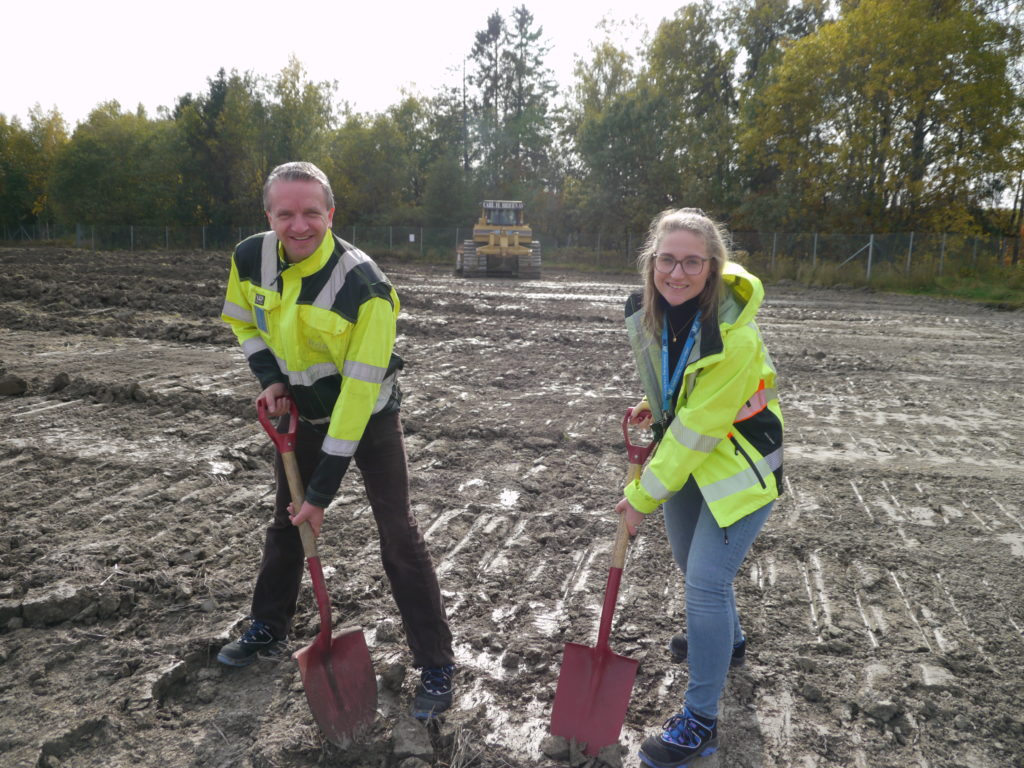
263 303
745 455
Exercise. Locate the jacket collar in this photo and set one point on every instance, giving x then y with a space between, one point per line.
312 263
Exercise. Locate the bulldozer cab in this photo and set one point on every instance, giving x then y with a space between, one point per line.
510 217
502 244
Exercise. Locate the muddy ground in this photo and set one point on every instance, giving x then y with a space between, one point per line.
884 602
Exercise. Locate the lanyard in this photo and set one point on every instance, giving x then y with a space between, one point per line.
667 387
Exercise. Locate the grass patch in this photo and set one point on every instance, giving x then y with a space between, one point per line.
997 286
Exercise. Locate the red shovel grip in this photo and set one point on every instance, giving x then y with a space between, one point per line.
285 441
637 453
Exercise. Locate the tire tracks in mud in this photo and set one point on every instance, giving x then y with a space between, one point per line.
882 602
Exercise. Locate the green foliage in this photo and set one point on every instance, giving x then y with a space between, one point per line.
892 116
227 159
15 164
117 167
509 113
26 163
798 115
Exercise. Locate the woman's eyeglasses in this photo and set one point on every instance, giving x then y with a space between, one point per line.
692 265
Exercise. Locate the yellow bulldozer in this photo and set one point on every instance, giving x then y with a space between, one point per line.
502 244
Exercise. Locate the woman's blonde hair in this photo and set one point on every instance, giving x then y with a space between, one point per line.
715 239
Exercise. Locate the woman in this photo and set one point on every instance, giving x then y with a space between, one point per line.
710 397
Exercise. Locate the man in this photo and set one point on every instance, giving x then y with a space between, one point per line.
316 319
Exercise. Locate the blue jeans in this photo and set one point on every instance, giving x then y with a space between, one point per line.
709 558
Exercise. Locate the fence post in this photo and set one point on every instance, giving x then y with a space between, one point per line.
421 242
167 238
389 239
775 242
131 237
93 228
353 234
814 255
910 250
871 253
204 237
456 237
942 253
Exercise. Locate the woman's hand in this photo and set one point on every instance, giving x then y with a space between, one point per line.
633 518
641 415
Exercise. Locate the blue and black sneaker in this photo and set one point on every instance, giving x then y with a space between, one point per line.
434 693
256 642
684 738
679 647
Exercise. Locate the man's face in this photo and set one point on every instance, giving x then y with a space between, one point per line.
298 214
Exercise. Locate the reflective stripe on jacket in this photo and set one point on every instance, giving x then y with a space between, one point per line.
727 427
324 325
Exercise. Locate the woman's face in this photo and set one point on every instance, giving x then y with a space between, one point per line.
684 252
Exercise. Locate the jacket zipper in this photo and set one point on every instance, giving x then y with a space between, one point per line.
743 453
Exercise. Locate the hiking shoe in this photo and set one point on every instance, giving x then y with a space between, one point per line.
683 739
678 648
434 693
256 642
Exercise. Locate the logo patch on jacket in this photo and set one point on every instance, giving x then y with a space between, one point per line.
260 299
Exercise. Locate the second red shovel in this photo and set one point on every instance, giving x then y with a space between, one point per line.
594 684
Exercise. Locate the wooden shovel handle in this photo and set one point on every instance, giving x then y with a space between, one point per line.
291 471
622 533
637 455
285 443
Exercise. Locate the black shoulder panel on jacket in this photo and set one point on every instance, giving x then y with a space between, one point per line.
634 303
362 283
313 284
248 258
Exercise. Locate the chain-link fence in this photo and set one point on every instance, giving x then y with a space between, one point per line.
806 257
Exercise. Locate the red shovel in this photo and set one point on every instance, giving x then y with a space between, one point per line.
594 685
337 672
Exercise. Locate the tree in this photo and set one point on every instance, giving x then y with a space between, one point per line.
26 161
368 171
228 158
897 115
692 74
512 130
117 168
611 147
529 91
300 118
15 187
763 29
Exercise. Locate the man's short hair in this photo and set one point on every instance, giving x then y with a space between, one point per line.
298 170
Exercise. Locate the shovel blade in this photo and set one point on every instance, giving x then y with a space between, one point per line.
340 685
592 696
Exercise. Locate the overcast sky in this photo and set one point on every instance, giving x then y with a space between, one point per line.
75 55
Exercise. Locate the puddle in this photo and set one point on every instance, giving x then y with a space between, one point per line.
1016 542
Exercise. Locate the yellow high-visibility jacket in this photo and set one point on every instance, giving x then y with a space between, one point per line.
325 326
726 428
